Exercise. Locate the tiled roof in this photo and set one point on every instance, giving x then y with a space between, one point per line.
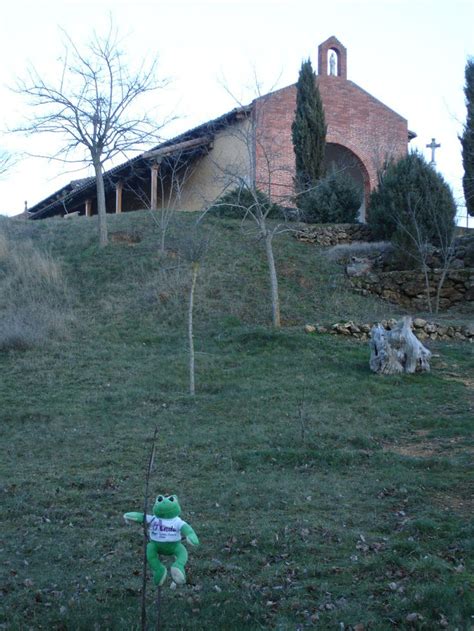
78 188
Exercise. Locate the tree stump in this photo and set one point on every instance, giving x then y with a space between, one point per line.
397 350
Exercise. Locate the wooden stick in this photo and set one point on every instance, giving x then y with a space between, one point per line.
145 527
158 609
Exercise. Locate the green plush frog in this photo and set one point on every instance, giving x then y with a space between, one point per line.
165 529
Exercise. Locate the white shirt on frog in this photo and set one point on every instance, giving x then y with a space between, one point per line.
164 530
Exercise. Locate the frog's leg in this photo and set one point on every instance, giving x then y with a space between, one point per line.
177 569
159 570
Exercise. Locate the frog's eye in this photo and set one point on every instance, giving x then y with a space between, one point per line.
160 498
171 498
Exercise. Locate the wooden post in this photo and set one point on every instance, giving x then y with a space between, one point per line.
118 197
158 609
88 207
154 187
145 528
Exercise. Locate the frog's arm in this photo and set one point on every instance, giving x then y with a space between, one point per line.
134 517
191 536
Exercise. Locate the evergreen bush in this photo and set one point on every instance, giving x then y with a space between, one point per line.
335 199
412 203
239 201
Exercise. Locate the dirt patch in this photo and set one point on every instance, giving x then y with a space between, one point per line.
131 238
455 503
287 269
423 447
304 282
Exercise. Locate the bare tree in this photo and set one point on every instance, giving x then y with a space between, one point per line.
92 106
252 177
6 161
174 174
420 248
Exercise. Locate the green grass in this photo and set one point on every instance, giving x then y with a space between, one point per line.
321 493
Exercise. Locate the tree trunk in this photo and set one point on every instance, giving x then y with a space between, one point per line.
192 390
163 234
273 281
441 280
101 207
425 271
398 350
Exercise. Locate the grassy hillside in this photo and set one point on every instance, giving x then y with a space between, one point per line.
324 496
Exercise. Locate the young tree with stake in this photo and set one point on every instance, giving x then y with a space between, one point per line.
192 248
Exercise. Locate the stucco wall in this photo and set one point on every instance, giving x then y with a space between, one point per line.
212 173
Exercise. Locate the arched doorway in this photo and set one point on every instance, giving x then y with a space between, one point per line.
341 159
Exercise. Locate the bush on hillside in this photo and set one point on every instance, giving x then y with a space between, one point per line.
35 302
335 199
239 201
412 201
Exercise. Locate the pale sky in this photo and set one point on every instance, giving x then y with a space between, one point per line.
410 54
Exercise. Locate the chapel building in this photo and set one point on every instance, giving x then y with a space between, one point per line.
250 145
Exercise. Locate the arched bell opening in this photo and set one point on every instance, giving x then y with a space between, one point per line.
332 58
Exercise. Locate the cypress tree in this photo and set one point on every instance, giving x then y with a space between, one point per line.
467 139
308 130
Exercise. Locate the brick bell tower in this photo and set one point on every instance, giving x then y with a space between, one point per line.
332 58
361 130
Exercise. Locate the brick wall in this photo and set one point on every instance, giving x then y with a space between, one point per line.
355 119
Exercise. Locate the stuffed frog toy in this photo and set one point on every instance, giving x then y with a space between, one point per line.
165 529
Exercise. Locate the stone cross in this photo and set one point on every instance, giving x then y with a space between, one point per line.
433 146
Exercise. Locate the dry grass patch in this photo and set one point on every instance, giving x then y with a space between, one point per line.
423 446
459 503
130 238
35 302
467 380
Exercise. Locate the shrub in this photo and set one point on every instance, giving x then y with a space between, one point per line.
238 202
335 199
412 202
35 301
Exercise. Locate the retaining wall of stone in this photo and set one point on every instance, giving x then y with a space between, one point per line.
334 234
423 330
409 288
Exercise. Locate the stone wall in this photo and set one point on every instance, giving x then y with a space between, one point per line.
334 234
375 274
463 254
423 329
408 288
